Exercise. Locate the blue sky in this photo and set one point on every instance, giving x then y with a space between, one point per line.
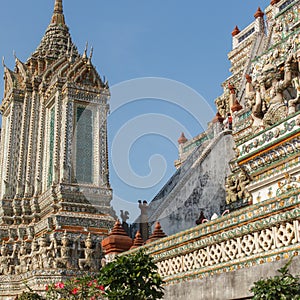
184 42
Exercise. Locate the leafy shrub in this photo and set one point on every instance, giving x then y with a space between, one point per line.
132 277
280 287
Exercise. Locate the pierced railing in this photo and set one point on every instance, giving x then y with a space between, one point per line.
258 234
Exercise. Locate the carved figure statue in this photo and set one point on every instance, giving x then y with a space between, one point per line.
13 259
236 188
265 94
231 189
33 262
254 90
276 107
23 260
65 258
296 85
8 262
243 193
221 106
46 257
4 260
88 262
293 102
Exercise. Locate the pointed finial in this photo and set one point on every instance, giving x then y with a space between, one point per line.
91 53
58 15
182 139
85 50
90 57
158 233
258 13
71 55
236 106
235 31
138 241
68 46
3 63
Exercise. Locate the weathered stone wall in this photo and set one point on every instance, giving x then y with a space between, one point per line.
199 185
226 286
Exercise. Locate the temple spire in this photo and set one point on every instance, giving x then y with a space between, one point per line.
58 15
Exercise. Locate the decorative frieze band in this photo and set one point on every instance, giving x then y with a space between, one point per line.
256 234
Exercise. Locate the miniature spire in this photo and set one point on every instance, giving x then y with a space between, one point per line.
236 106
58 15
117 241
138 241
182 139
273 2
218 118
157 234
258 14
235 31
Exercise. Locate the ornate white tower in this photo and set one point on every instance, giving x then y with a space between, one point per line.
53 160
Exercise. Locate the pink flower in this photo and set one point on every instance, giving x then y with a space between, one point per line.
93 298
100 287
59 285
47 287
92 282
74 291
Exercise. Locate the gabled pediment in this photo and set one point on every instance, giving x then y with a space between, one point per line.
9 81
21 72
84 73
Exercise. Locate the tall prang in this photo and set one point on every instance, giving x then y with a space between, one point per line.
54 189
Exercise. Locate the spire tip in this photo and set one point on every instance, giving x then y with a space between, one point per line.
58 15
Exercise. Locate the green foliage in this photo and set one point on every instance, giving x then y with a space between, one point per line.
132 277
29 296
280 287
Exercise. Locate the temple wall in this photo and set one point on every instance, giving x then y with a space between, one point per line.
233 285
221 259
